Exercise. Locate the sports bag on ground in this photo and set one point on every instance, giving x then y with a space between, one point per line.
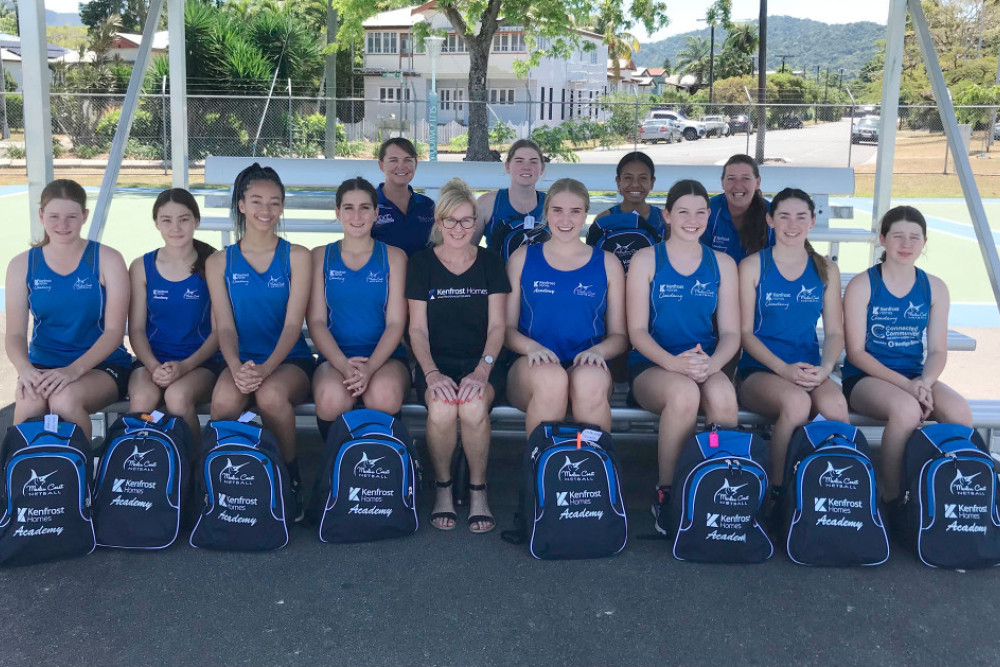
829 502
715 507
248 501
144 482
47 468
623 234
571 501
366 487
950 512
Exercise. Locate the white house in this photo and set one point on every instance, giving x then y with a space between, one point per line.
398 74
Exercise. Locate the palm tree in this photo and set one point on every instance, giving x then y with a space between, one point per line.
694 58
621 44
736 58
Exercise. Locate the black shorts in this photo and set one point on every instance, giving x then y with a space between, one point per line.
307 364
848 384
120 374
497 379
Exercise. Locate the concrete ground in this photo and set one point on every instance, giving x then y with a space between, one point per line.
456 598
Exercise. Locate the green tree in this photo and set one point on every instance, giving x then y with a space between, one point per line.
132 13
477 21
693 59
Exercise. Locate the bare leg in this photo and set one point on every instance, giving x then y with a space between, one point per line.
442 437
475 417
182 398
277 397
589 391
786 403
542 392
675 398
93 391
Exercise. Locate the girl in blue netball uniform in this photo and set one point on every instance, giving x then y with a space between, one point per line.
404 217
77 292
170 319
887 310
737 223
682 304
512 217
260 290
784 290
635 177
357 312
565 317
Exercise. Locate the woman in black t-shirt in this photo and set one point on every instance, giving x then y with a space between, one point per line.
457 294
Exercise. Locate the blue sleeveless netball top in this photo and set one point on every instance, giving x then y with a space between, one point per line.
68 311
356 300
178 314
721 233
260 301
563 310
682 308
895 325
785 314
655 218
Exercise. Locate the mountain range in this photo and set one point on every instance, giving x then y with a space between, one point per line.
59 19
804 43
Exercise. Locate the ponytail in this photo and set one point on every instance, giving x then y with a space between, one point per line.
753 231
818 262
204 251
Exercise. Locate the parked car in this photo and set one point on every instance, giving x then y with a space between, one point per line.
790 122
691 129
652 131
865 129
996 131
742 124
716 126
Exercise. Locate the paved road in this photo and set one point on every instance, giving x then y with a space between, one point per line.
824 145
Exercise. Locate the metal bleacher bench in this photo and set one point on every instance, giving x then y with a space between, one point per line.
312 182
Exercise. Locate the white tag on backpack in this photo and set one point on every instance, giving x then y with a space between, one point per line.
529 222
51 423
590 435
247 416
156 415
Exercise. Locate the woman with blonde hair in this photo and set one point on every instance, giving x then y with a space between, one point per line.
457 293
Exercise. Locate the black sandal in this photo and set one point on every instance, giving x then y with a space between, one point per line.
444 515
480 518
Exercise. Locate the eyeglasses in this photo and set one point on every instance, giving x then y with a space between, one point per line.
467 223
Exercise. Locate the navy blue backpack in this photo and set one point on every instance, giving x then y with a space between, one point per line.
144 488
367 486
718 492
45 490
623 234
950 504
507 236
248 501
571 500
829 505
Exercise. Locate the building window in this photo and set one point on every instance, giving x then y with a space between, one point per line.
381 42
452 99
501 95
393 95
508 42
408 44
453 43
593 57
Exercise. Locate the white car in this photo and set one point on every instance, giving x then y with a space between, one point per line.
691 129
716 126
652 131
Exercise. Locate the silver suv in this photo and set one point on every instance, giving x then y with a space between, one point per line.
691 129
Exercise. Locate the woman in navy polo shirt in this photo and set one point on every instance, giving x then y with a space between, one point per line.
737 223
404 218
170 319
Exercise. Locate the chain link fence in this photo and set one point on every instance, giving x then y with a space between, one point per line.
84 125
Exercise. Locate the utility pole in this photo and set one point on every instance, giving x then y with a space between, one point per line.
826 87
761 82
330 134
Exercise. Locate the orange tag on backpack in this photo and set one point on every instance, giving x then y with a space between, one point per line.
579 440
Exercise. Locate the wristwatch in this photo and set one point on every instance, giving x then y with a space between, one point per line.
488 359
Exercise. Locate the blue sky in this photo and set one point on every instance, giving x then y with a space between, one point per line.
684 13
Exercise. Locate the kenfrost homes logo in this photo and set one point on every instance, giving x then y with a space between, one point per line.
884 312
729 495
83 283
275 282
584 290
670 291
572 471
238 503
366 468
161 295
239 278
808 295
191 294
963 485
776 299
702 288
136 461
834 478
359 495
230 473
39 485
915 312
337 275
42 284
544 287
